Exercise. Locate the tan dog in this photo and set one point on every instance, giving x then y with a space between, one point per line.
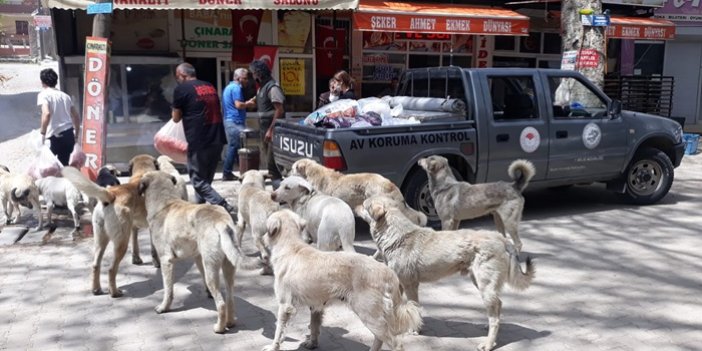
117 217
180 229
15 190
455 201
306 276
165 164
353 188
419 254
254 207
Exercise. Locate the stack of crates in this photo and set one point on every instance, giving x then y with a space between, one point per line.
691 143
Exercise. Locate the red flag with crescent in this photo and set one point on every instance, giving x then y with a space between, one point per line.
245 29
266 54
330 50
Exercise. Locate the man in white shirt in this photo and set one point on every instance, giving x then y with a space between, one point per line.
59 120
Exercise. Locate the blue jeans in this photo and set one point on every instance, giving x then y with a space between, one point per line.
232 130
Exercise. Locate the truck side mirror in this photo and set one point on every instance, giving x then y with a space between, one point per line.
615 108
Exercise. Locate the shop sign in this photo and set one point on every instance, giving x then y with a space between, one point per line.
42 21
294 31
634 31
595 20
650 3
576 59
384 73
410 23
375 59
684 12
483 51
97 53
227 4
568 60
143 30
292 76
100 7
212 30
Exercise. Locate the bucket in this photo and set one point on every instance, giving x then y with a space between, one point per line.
691 143
249 158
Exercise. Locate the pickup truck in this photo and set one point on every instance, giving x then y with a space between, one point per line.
571 131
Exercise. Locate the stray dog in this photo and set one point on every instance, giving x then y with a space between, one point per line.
61 192
165 164
455 201
330 221
180 229
107 176
254 207
117 217
16 190
353 188
419 254
306 276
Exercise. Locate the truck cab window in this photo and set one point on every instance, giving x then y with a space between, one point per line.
573 99
512 98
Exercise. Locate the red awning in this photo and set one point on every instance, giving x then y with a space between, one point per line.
376 15
640 28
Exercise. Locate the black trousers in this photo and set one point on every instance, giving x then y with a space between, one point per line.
273 170
202 165
62 145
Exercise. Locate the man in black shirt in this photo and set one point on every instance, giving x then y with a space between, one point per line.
196 103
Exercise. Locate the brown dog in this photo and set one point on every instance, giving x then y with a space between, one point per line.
120 213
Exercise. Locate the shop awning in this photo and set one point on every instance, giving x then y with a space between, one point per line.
640 28
376 15
214 4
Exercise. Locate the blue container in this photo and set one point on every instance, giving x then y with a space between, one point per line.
691 143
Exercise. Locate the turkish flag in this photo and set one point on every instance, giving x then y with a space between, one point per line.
330 50
245 28
266 54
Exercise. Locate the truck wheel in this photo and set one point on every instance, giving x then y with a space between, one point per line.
648 177
418 196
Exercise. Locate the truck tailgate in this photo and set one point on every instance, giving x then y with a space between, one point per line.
292 142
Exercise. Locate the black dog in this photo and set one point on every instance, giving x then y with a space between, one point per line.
107 176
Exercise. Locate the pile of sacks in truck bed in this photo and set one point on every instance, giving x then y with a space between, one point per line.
398 110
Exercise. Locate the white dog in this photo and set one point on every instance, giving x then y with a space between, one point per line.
330 221
305 276
255 205
165 164
419 254
15 190
61 192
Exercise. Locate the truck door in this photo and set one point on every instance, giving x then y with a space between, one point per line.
517 128
585 140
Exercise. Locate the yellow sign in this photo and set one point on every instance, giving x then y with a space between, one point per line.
292 76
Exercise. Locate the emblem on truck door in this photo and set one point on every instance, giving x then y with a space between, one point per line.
592 135
530 139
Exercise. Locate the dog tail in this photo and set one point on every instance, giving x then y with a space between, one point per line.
521 172
402 315
84 184
518 279
233 251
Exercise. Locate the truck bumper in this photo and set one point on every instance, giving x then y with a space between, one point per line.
678 152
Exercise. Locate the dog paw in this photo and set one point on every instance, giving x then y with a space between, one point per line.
117 293
231 324
160 309
137 260
310 345
219 329
270 348
484 347
97 291
414 332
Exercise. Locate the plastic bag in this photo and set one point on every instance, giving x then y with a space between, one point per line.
170 141
77 158
339 108
45 163
376 105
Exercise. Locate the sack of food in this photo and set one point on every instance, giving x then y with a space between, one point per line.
336 109
375 105
45 163
77 158
170 141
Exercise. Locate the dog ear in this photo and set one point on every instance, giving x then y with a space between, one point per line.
273 225
422 163
377 211
306 187
143 184
156 165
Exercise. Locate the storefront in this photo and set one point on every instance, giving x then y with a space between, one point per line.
391 37
149 38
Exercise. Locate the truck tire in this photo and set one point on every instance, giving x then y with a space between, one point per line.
648 177
418 196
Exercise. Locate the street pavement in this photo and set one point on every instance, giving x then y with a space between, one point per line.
610 276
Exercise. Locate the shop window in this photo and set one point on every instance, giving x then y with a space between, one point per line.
648 58
513 98
504 43
437 83
149 92
530 44
21 27
573 99
421 61
295 32
296 83
508 61
460 61
552 43
420 85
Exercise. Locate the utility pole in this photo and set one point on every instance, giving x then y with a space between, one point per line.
102 23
